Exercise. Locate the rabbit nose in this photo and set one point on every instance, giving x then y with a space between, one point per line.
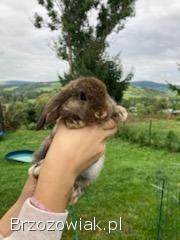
101 115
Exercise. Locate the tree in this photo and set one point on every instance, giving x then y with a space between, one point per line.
15 115
173 87
41 101
82 44
1 119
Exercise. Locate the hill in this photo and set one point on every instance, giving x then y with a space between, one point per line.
150 85
137 92
15 83
31 90
19 90
27 85
138 84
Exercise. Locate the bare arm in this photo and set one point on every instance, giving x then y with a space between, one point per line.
71 152
28 190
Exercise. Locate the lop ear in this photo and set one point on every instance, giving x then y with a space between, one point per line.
51 111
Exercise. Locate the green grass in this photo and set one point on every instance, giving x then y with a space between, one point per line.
9 89
128 187
164 134
158 125
53 87
13 175
137 93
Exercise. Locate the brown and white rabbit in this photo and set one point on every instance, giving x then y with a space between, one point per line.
82 102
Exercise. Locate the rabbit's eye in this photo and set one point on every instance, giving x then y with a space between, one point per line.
83 96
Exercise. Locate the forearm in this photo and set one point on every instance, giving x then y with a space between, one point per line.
27 191
55 183
23 228
67 157
5 222
53 189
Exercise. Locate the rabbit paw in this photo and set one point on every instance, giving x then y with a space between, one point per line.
78 191
35 169
76 194
75 124
121 113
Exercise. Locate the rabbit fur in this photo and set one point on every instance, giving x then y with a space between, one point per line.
83 102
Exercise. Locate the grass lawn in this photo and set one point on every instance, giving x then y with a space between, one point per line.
158 125
160 134
129 187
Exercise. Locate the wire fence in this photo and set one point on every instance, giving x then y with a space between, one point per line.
148 135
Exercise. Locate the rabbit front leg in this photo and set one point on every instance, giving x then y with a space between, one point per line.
86 178
78 191
39 156
74 124
35 169
121 113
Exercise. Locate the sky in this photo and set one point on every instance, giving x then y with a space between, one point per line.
149 44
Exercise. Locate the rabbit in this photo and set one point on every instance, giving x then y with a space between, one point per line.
82 102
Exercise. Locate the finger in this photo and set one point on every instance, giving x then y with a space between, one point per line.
109 133
95 158
102 152
110 124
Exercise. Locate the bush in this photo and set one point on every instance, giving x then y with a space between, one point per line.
15 115
24 114
177 118
31 126
168 140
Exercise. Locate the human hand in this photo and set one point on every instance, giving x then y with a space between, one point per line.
71 152
80 147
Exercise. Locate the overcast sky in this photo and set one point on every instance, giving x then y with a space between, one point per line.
150 43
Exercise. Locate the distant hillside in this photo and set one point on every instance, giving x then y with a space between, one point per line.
31 90
138 84
18 90
27 85
14 83
138 92
150 85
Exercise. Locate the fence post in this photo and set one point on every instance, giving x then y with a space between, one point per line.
160 211
150 130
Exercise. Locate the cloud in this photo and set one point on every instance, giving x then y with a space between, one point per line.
24 51
149 43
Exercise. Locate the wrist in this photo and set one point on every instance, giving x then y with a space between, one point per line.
59 180
23 196
66 165
20 201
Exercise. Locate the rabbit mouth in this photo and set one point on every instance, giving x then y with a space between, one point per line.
120 112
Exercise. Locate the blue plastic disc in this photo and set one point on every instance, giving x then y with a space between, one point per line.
25 156
2 133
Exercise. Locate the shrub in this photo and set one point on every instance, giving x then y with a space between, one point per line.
168 140
177 118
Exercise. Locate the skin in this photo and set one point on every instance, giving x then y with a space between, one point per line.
13 212
78 148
